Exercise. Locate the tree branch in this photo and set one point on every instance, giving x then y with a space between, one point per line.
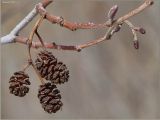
67 24
53 45
146 4
37 44
73 26
11 36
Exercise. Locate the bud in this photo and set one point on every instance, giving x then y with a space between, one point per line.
142 30
151 2
112 12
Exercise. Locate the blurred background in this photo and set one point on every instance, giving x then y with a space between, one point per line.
108 80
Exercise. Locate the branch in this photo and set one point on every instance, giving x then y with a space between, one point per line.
74 26
12 35
52 45
111 25
34 30
146 4
67 24
134 30
135 38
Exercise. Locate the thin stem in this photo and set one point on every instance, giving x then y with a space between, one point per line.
34 30
132 27
40 39
26 66
32 34
67 24
38 74
74 26
107 36
146 4
135 38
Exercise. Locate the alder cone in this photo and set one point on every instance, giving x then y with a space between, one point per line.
49 97
18 84
50 68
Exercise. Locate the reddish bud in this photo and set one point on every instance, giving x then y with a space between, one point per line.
136 44
151 2
142 30
79 50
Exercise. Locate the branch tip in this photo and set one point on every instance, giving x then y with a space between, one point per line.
111 14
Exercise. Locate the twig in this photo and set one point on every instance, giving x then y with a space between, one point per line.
49 45
146 4
134 30
12 35
40 38
52 45
67 24
26 66
135 38
132 27
107 36
38 74
74 26
34 30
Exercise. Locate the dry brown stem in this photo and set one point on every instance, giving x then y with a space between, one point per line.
34 31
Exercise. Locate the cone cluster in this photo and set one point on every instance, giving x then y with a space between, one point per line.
52 70
18 84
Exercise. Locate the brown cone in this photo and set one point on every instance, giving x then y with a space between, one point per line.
49 97
18 84
50 68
